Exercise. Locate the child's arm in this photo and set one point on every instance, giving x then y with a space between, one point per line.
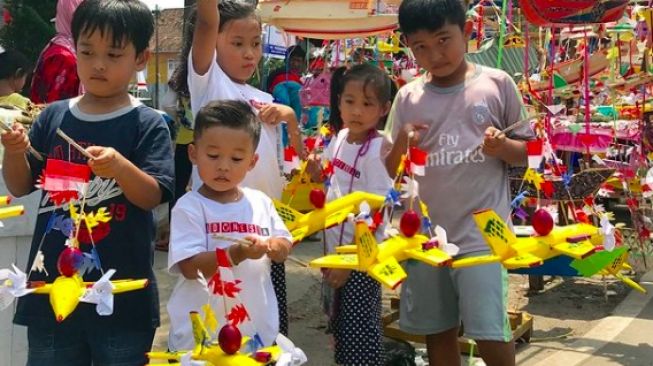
208 264
511 151
139 188
15 166
409 134
205 36
279 249
276 113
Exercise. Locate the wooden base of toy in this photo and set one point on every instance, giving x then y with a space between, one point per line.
521 324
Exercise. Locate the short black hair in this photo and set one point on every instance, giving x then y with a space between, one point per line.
14 64
235 10
371 76
126 21
431 15
234 114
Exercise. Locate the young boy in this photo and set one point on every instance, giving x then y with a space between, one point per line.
450 110
132 164
225 139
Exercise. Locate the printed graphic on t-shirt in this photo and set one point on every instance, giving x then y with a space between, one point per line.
98 191
226 227
346 168
448 152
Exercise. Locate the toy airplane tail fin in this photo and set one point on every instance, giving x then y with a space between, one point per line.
630 282
496 233
289 215
619 264
367 246
200 334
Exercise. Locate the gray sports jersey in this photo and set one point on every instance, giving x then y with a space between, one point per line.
459 178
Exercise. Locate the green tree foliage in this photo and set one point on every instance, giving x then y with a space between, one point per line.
30 28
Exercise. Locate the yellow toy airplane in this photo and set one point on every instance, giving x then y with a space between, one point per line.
333 213
381 261
11 211
210 352
65 292
577 241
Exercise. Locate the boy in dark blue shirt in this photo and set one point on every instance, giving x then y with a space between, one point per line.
133 167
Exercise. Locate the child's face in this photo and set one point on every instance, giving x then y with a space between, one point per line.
296 64
439 52
239 48
223 157
106 70
360 109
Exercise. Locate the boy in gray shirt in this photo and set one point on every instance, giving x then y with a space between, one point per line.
451 109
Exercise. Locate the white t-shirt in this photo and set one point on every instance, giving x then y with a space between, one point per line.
194 219
216 85
368 173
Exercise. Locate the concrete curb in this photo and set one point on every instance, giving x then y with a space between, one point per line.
606 330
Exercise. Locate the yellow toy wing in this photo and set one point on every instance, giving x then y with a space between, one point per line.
388 272
299 234
11 211
496 233
578 250
338 216
289 215
347 249
523 260
343 261
475 261
433 256
128 285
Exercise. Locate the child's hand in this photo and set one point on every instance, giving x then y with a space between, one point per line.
337 278
411 133
257 249
15 141
274 114
107 162
279 249
493 142
314 168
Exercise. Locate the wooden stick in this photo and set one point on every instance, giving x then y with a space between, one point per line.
74 144
31 149
232 239
508 129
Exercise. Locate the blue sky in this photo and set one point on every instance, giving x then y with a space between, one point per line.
164 3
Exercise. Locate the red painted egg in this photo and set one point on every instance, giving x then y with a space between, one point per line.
229 339
542 222
317 197
69 261
409 223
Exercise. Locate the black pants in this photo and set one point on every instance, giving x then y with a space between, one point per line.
183 169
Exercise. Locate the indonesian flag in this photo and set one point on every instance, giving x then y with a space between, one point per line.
290 159
535 149
416 161
62 178
141 83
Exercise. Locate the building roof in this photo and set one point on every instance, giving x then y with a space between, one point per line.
171 24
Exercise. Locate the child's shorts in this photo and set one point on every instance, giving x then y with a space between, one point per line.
436 299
